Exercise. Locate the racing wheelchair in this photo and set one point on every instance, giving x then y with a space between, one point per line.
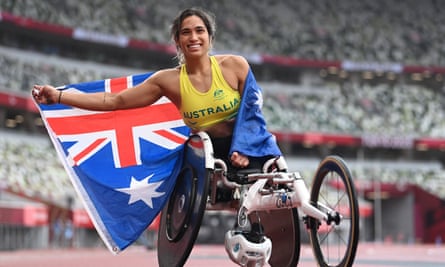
267 203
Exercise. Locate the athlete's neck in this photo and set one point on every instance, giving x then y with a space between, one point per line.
198 66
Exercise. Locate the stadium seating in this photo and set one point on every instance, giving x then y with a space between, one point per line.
352 108
31 169
21 69
408 33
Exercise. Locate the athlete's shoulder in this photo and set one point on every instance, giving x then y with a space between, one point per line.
167 82
165 78
234 68
235 63
232 59
164 75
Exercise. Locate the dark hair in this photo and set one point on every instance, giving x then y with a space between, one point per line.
207 17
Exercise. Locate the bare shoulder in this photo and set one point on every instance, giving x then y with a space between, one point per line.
167 80
230 60
165 75
234 63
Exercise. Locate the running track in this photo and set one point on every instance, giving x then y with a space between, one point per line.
369 255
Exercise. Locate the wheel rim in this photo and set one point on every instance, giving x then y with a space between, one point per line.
335 244
180 207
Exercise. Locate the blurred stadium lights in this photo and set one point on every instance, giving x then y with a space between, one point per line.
333 70
323 73
391 76
416 77
368 75
14 121
343 74
38 122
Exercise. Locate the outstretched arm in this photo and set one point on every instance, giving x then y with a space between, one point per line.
141 95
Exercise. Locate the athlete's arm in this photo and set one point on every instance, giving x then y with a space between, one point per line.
141 95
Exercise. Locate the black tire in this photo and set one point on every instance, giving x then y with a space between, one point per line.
182 216
334 245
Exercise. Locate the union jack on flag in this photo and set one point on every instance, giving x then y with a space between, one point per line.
123 164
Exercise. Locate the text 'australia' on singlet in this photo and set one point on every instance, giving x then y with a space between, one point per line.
202 110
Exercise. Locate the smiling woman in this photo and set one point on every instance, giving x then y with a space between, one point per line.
201 86
207 91
179 29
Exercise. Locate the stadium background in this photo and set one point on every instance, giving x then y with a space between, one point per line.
361 79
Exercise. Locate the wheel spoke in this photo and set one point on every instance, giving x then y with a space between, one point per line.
335 242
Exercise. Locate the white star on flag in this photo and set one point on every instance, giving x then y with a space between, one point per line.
142 190
259 100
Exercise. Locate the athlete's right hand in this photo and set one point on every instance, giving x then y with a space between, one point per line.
239 160
45 94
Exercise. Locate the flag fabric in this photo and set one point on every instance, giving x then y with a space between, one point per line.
123 164
250 135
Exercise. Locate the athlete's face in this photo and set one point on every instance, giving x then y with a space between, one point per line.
193 37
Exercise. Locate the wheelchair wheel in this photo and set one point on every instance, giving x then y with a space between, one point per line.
334 244
283 228
182 216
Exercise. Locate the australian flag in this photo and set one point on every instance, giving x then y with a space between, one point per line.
250 136
123 164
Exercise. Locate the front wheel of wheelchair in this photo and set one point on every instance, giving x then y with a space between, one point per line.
334 243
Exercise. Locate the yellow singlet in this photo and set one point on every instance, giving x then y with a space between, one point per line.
202 110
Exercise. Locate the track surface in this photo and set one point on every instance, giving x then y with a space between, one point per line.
369 255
